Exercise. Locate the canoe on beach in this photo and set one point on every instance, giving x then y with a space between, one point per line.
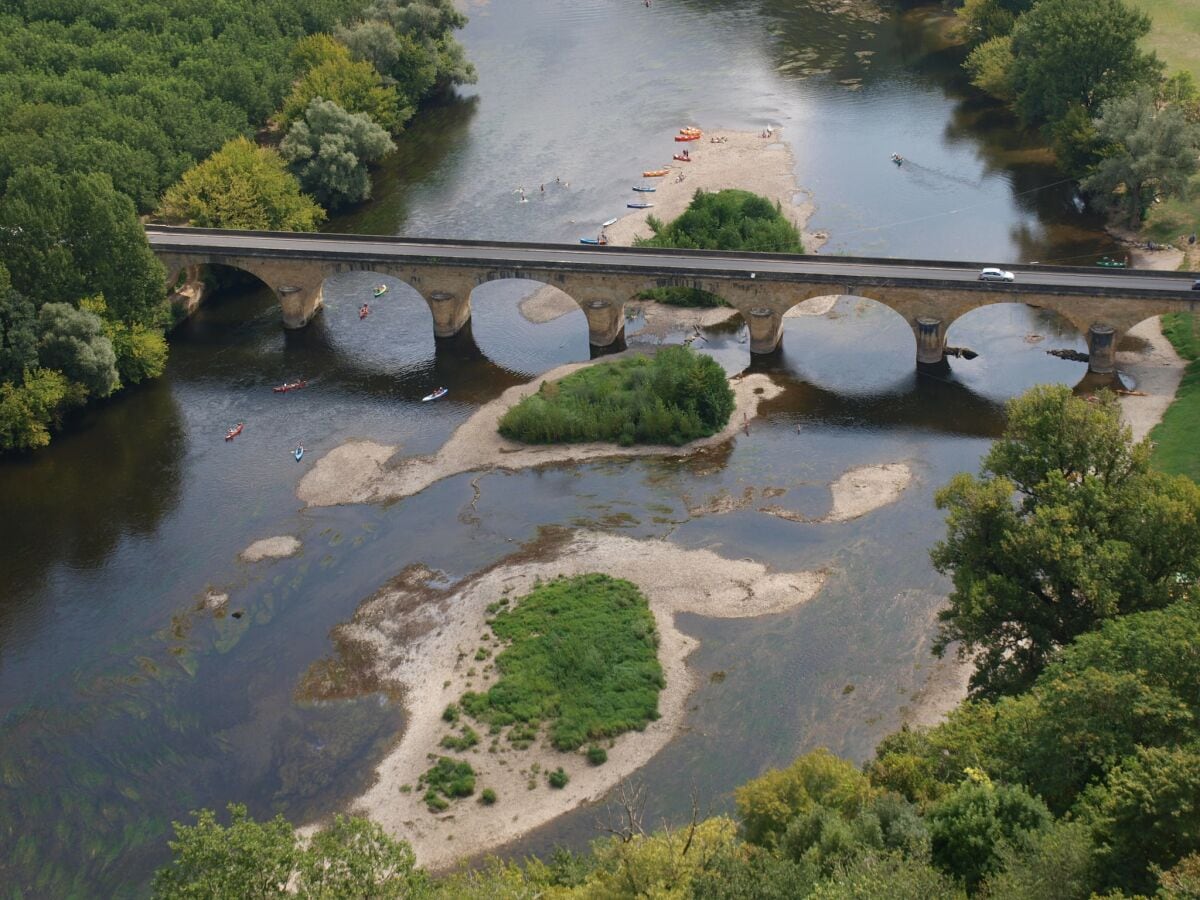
639 205
655 173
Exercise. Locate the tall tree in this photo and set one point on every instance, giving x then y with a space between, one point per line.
329 150
1066 526
1151 152
66 237
355 86
73 341
18 331
1077 51
242 186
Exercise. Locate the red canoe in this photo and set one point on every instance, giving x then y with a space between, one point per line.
687 137
290 386
234 431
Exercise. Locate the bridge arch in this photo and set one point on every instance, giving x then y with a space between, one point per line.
527 325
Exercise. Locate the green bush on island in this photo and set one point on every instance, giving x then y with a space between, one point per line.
581 655
447 779
671 398
721 220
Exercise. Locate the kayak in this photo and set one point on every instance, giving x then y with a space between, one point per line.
436 395
645 190
609 222
639 205
687 137
290 386
655 173
593 241
234 431
695 131
364 312
1110 263
681 157
298 453
380 290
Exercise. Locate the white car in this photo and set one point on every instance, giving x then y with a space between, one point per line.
990 274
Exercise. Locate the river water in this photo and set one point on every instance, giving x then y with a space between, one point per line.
125 703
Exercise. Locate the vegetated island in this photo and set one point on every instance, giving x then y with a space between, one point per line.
358 471
481 657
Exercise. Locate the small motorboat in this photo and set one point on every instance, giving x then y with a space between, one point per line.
290 386
234 431
380 290
687 137
645 190
641 204
655 173
436 395
682 157
298 453
596 242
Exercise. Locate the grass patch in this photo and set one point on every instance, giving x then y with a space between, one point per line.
1175 437
1174 32
464 741
671 398
448 779
582 657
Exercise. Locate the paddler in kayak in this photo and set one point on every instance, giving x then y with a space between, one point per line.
364 311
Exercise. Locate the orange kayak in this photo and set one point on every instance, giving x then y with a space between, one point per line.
655 173
687 137
695 131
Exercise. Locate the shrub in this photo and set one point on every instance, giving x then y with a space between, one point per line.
448 778
487 797
465 741
450 713
558 778
671 398
597 755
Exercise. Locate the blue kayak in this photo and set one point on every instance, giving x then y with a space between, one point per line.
644 190
595 241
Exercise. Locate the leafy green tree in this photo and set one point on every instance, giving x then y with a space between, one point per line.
428 24
728 220
1146 815
1077 51
984 20
244 859
67 237
969 826
354 86
1077 143
990 67
354 857
242 186
72 340
1152 152
1055 864
373 41
1181 881
887 875
1066 526
18 331
768 804
329 150
317 49
28 408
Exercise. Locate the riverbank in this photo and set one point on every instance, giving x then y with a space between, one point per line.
423 640
360 471
1156 370
742 160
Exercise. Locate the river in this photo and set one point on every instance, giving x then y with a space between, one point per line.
125 703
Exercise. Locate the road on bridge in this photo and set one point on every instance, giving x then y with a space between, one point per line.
673 263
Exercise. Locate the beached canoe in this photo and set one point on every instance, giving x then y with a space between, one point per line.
639 205
645 190
595 242
655 173
687 137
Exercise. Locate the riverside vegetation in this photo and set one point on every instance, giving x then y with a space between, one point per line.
673 397
579 657
721 220
111 109
1071 771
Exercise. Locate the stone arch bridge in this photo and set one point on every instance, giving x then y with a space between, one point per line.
1102 303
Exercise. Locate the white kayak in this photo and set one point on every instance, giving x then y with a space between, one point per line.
436 395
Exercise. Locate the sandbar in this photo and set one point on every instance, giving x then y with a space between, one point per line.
272 548
546 304
1157 370
424 639
867 488
358 472
743 160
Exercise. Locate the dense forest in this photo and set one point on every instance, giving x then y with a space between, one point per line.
1072 770
111 110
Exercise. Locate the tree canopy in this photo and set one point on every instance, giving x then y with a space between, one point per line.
329 149
1066 526
727 220
242 186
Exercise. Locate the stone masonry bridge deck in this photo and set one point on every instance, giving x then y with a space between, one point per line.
1102 303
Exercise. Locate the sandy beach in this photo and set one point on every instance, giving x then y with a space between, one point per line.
742 160
1157 370
359 471
423 640
272 548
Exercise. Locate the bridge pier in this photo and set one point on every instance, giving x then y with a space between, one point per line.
299 303
931 341
1102 349
606 321
766 329
450 312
